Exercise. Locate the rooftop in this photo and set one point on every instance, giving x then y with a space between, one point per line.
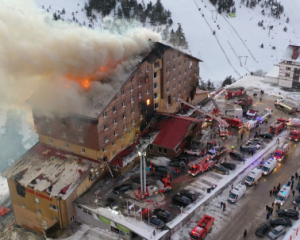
50 170
288 53
273 73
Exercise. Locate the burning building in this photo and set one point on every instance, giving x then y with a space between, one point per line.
66 161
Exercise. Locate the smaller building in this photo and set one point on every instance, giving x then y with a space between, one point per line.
289 67
273 75
172 133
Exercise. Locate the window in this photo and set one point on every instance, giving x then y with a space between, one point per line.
22 204
148 102
168 80
105 114
168 69
173 67
130 131
63 123
116 133
49 130
132 122
105 126
37 200
165 150
287 74
156 64
122 146
50 140
178 54
113 143
114 109
140 95
147 91
125 127
141 117
53 207
289 62
179 93
79 127
185 71
150 147
64 134
174 86
168 90
155 85
173 57
54 218
156 106
160 149
123 92
82 150
66 145
179 74
132 99
72 218
184 61
131 88
168 60
80 139
132 111
140 84
179 64
288 68
132 78
139 72
124 116
122 138
184 80
39 211
46 119
155 95
174 77
147 69
115 121
147 80
104 149
155 75
179 83
123 104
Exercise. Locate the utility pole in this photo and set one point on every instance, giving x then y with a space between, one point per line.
240 57
212 15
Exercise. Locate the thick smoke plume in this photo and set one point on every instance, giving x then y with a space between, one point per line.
38 53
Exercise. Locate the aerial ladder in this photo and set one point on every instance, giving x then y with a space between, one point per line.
223 125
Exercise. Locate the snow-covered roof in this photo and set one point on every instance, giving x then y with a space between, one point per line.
288 53
50 170
274 72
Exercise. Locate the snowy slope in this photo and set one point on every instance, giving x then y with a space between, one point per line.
240 36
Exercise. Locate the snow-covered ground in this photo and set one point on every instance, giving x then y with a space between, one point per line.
4 190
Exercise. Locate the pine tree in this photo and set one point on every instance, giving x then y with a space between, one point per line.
285 29
287 20
262 45
119 13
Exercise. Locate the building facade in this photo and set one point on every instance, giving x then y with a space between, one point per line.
289 68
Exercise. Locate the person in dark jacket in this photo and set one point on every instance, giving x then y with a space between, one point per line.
245 233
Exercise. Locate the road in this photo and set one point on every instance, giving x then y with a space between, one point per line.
253 210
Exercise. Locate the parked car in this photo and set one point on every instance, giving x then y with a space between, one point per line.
189 194
248 148
298 185
236 155
155 222
111 203
266 135
255 141
185 159
283 221
288 212
220 169
161 169
195 152
138 180
180 200
229 165
297 201
277 232
262 230
122 188
162 214
177 164
256 145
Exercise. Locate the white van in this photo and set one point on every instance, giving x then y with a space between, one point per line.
237 192
283 194
251 124
253 176
269 166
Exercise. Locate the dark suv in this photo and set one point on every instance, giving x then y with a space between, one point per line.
122 188
161 169
111 203
189 194
177 164
236 155
162 214
180 200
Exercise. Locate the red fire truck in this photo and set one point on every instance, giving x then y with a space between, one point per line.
294 135
234 92
204 226
201 165
234 122
278 126
281 152
161 186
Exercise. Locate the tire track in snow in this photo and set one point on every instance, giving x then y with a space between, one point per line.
218 42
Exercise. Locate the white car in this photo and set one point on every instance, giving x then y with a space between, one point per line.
255 144
195 152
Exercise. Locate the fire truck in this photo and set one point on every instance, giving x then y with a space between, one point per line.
246 101
285 107
234 92
234 122
201 165
278 126
265 115
294 135
281 152
204 226
161 186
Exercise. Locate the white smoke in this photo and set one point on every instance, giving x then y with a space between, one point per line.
37 52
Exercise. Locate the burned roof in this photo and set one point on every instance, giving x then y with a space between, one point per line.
50 170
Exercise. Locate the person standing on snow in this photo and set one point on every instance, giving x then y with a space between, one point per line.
245 233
